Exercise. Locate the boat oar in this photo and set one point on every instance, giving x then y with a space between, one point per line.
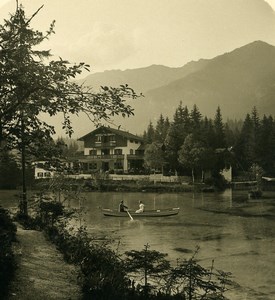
132 219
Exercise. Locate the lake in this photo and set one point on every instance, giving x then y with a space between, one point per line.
243 244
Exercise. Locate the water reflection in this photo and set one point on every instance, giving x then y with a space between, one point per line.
239 244
238 234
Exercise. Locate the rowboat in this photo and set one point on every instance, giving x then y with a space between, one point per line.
148 213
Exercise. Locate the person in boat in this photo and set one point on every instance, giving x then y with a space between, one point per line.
122 207
141 207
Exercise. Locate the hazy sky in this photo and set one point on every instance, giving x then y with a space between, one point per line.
127 34
121 34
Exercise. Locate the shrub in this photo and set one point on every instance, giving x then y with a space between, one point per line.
7 261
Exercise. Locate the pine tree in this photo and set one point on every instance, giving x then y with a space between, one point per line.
266 141
207 132
178 130
150 134
219 130
195 118
256 124
245 146
161 129
31 85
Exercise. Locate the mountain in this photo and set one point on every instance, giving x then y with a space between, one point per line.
143 79
235 81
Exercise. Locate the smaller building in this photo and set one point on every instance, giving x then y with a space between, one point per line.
41 170
48 168
112 150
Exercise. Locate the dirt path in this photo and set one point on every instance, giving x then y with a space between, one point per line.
42 273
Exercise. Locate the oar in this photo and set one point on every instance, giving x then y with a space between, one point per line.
132 219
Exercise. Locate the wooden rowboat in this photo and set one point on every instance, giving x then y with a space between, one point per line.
148 213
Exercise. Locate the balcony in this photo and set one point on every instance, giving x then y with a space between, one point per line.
135 156
109 144
101 157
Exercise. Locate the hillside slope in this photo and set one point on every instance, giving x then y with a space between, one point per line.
143 79
236 81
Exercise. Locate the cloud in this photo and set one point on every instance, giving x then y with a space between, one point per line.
3 2
104 46
271 3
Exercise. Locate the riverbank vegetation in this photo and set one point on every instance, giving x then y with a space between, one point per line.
199 152
188 144
194 145
107 273
7 260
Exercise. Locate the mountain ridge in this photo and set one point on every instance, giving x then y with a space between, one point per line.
240 77
138 78
236 81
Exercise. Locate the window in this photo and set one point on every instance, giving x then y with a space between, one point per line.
92 152
40 174
118 164
92 166
131 151
98 138
118 151
47 174
105 151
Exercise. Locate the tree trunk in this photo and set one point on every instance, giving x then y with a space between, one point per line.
193 176
24 203
1 135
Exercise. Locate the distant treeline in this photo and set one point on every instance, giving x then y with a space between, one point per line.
191 142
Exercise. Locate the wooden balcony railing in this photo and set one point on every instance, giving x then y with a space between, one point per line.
107 156
135 156
105 144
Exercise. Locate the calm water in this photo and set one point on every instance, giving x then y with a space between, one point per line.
244 246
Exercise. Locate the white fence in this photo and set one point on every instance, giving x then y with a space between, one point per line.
151 177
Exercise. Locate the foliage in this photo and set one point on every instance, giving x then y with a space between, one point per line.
9 171
148 265
256 143
103 272
69 148
52 208
193 154
161 129
217 145
220 141
44 148
176 134
266 144
32 85
193 281
7 261
149 134
154 156
195 118
102 275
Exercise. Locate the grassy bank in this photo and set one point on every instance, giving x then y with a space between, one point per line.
107 185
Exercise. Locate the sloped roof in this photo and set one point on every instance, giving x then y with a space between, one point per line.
126 134
269 178
141 147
